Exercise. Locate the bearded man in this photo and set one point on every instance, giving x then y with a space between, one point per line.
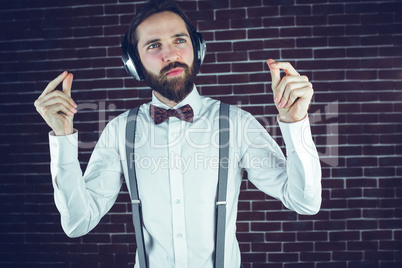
177 148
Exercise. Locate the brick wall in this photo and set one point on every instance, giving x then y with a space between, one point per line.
352 52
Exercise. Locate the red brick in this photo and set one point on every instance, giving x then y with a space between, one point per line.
361 8
246 23
311 20
311 42
230 14
328 75
376 235
232 56
239 3
282 236
279 43
390 245
88 11
118 9
262 33
266 205
213 24
246 216
250 237
247 45
297 53
286 216
328 9
247 67
363 203
104 20
361 75
266 247
347 256
266 226
333 264
324 30
390 224
299 247
278 21
358 52
345 236
295 10
316 256
230 35
230 79
299 265
361 224
216 90
332 225
262 11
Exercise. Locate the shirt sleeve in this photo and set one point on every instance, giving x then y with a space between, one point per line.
83 200
295 179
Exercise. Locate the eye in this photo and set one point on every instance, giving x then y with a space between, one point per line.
181 41
153 46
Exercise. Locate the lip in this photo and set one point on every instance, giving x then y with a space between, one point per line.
175 72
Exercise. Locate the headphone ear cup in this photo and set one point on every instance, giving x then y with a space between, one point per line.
130 63
200 47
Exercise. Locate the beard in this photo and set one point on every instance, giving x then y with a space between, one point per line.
173 88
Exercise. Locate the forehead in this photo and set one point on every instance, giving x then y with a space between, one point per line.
160 25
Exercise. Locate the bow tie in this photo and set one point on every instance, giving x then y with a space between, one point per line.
160 115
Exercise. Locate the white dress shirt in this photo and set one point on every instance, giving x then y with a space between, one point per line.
177 166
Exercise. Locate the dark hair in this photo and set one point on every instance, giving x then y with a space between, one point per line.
153 7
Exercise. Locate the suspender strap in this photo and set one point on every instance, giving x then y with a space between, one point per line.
221 191
135 201
222 185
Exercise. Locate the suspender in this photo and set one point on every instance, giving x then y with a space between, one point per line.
222 185
221 191
135 200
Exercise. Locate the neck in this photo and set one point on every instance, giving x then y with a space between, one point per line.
164 100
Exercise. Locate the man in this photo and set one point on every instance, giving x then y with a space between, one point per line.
175 160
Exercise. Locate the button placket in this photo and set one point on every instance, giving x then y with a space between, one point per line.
177 195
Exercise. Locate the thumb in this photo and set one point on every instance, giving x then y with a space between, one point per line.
275 73
67 82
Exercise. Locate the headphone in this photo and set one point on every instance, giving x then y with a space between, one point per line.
132 63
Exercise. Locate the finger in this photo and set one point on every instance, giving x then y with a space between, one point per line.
304 92
287 67
275 75
287 84
55 94
67 82
58 100
53 110
53 84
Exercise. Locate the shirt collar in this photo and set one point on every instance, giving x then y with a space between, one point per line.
193 99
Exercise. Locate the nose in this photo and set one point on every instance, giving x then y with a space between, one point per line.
170 54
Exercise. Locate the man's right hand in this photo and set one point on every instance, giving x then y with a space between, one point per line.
57 107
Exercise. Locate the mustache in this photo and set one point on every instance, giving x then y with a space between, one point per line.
173 65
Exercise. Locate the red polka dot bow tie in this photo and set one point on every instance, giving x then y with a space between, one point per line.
160 115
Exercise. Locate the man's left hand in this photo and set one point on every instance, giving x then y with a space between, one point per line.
292 93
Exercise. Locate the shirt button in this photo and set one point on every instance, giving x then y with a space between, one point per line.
175 134
178 201
179 236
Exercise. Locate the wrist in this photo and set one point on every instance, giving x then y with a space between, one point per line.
285 118
63 132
